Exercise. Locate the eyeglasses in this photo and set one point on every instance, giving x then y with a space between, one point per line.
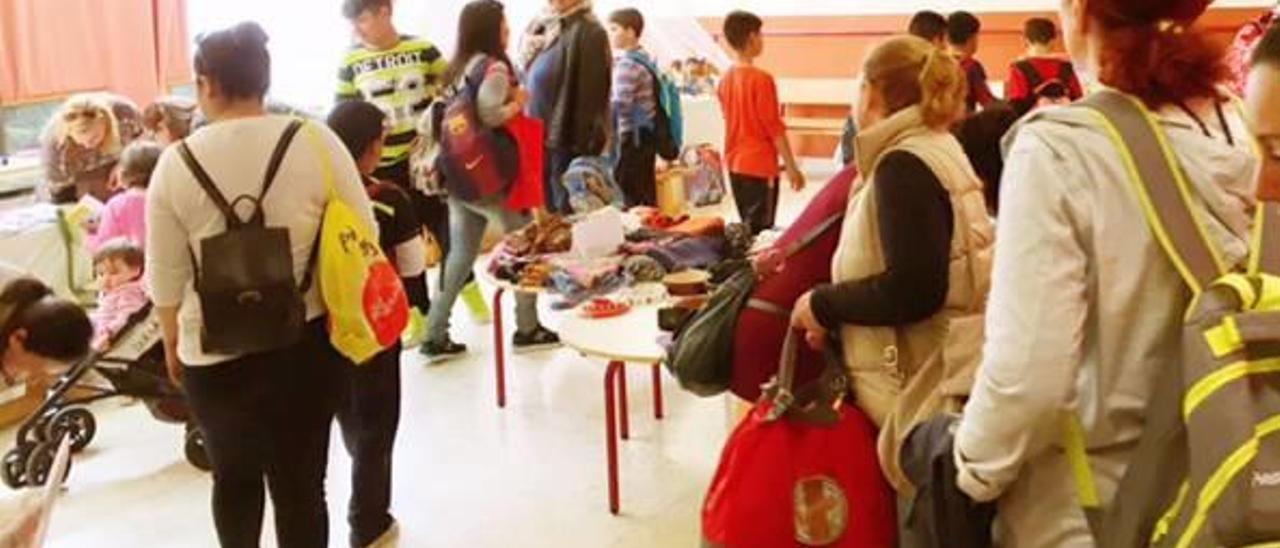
87 115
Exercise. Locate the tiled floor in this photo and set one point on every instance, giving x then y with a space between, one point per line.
467 473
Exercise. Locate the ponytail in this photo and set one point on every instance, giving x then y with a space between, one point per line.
943 89
908 71
1152 49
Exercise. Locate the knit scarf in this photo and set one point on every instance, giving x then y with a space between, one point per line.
543 32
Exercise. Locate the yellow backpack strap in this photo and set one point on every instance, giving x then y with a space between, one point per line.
1076 448
1161 185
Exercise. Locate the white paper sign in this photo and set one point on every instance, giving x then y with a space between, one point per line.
599 234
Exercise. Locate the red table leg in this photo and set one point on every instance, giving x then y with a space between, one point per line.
624 420
499 356
611 435
657 391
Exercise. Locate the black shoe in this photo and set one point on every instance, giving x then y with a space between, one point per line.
440 352
539 339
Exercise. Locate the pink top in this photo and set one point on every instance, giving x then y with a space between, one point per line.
125 216
115 307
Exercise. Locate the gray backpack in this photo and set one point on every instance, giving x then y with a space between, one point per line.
1207 468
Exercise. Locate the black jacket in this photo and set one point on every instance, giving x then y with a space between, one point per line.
940 515
579 120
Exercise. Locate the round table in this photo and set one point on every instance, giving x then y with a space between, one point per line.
499 332
629 338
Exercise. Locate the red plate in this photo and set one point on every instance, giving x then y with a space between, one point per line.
600 309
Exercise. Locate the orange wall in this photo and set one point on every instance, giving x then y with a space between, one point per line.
832 47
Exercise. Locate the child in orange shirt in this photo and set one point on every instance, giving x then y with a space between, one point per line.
754 133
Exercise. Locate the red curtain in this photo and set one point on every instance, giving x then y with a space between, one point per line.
50 48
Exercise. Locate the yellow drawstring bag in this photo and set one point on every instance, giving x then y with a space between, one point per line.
367 304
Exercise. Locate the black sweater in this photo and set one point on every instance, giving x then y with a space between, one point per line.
916 225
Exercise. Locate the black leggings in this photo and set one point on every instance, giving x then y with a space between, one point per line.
266 417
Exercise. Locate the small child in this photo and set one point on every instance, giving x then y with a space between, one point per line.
119 267
635 110
962 32
370 411
1040 76
125 215
754 132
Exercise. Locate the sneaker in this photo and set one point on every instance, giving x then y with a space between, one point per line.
388 538
416 332
440 352
540 339
474 299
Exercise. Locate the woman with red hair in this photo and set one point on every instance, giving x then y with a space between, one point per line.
1086 310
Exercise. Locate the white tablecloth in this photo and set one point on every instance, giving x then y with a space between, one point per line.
31 240
703 121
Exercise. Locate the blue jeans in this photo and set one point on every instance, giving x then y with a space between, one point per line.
467 224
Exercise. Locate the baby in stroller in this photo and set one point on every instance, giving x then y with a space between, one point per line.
119 267
128 353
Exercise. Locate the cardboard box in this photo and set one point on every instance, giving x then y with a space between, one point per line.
17 403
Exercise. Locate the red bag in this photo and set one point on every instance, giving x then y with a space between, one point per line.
801 470
527 191
760 332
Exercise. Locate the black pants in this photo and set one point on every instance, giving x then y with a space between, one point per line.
266 417
636 169
370 416
757 200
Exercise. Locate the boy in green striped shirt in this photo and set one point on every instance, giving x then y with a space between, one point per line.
397 73
401 75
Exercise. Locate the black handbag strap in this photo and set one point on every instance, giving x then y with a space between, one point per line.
228 208
817 402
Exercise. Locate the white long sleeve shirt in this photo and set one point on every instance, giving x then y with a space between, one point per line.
1085 313
235 154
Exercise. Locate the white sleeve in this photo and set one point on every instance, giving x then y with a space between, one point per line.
1035 324
411 258
169 267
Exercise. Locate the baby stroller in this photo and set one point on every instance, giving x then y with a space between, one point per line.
133 367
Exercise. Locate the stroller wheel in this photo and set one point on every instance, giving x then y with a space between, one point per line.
14 468
195 451
40 464
76 422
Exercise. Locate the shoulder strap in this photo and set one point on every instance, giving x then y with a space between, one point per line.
813 234
219 200
206 183
1161 186
1033 76
1067 73
273 166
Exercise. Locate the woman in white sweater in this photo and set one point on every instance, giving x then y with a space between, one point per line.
1086 310
265 415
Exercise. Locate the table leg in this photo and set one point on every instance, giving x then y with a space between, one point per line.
657 391
624 420
611 435
499 355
